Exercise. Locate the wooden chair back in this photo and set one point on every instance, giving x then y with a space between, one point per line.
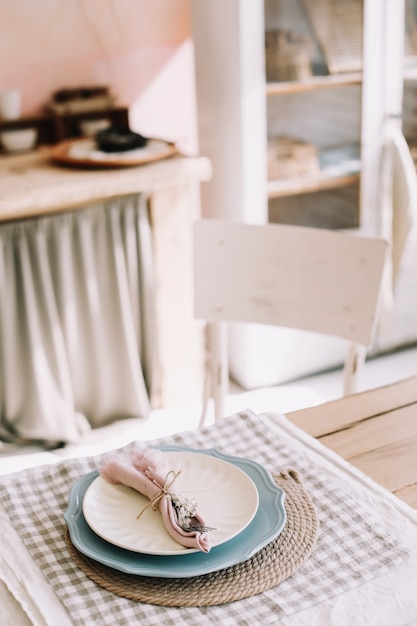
299 277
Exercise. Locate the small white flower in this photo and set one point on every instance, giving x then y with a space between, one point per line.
186 508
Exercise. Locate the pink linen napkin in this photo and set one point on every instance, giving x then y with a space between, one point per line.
146 471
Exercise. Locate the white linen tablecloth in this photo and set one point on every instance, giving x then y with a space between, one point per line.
362 570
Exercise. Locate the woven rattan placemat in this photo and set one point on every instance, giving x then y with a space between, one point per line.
266 569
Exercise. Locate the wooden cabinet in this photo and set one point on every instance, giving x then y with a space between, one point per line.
344 113
340 112
322 109
238 110
31 187
363 77
325 113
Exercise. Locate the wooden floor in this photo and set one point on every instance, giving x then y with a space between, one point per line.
376 431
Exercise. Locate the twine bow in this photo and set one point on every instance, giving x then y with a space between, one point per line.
170 478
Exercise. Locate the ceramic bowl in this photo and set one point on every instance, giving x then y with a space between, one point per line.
18 139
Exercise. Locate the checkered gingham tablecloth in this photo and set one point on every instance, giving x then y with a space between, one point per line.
351 549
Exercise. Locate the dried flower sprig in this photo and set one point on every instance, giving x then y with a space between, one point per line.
186 508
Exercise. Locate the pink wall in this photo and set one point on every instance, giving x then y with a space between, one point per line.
141 49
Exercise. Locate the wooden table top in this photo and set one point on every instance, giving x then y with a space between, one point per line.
376 431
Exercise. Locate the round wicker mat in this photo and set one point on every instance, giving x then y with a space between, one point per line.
266 569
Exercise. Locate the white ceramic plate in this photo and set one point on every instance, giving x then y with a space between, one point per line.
227 500
267 524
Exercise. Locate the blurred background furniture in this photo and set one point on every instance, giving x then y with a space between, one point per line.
363 76
289 276
96 319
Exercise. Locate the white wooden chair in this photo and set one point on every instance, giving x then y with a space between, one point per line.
299 277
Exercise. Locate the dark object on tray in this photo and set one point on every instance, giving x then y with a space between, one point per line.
119 140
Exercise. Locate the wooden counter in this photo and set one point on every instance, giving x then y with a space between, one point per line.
31 186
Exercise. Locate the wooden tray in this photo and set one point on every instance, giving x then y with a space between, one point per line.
84 153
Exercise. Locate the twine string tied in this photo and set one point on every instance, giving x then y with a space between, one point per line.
170 478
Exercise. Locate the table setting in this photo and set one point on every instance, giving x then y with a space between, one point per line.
246 520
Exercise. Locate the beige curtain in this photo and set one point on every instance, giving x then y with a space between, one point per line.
76 321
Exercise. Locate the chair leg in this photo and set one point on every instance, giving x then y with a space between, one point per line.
216 383
353 367
207 393
220 367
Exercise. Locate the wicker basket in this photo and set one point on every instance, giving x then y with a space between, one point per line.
288 55
289 158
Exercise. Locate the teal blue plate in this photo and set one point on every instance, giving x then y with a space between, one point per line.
268 522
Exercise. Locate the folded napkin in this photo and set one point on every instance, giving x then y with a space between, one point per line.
147 471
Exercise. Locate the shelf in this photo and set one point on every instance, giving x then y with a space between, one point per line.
309 184
313 83
339 167
52 127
